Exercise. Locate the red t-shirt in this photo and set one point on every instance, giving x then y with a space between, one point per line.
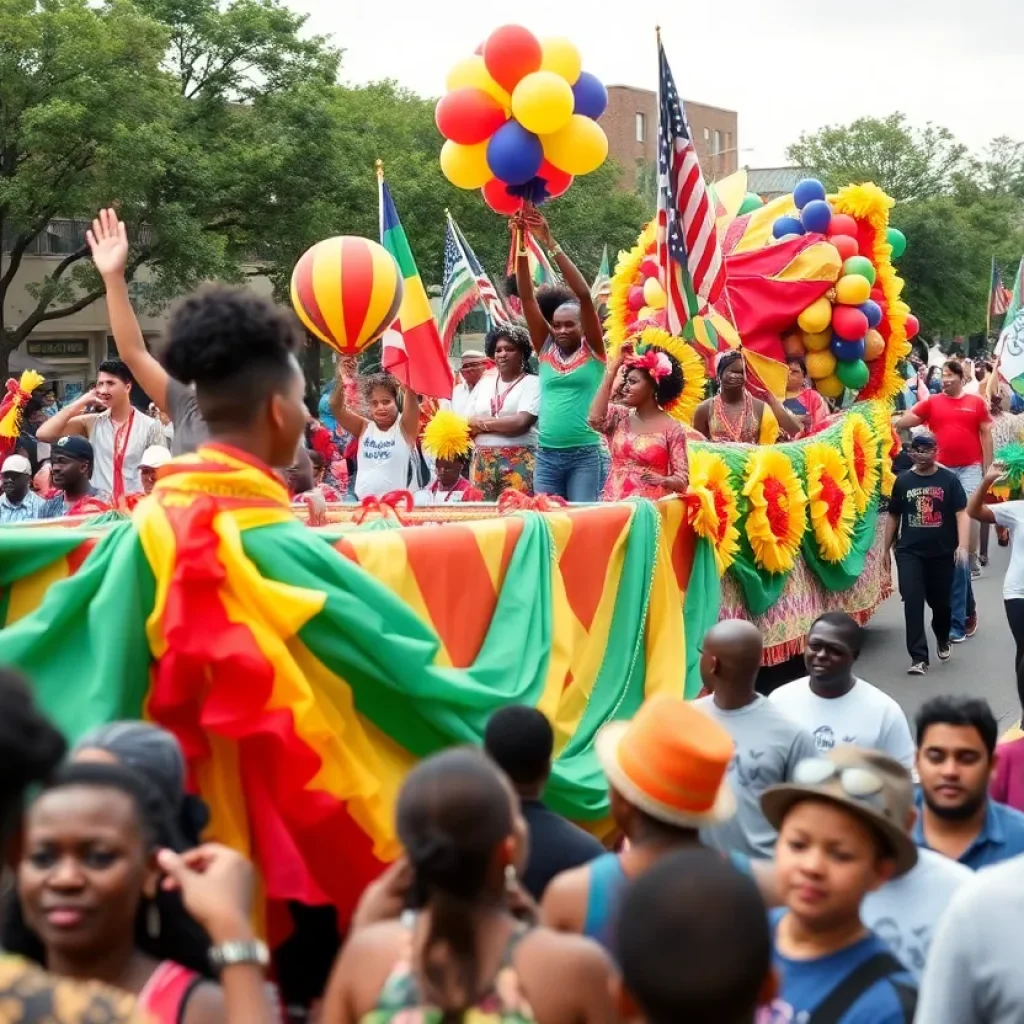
956 424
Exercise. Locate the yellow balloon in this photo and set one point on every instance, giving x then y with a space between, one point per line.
472 73
816 317
874 345
830 387
820 365
853 289
654 294
542 102
817 342
646 313
578 148
465 166
562 57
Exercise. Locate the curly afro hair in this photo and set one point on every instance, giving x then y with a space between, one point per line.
670 387
514 332
236 347
381 380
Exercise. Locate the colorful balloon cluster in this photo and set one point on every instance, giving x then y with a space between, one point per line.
520 119
839 333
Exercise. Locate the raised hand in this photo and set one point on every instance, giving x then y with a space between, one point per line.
216 886
108 241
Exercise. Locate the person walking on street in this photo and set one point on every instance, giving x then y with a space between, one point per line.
963 431
1010 516
928 515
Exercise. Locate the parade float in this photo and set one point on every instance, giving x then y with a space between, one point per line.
303 680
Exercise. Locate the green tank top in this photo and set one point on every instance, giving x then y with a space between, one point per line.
566 393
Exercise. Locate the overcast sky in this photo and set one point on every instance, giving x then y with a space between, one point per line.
787 71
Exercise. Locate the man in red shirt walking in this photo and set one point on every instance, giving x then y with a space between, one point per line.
963 429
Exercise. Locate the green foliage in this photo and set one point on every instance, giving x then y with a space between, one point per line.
956 211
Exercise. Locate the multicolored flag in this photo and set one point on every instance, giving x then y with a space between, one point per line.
692 267
998 296
465 284
411 348
601 289
1010 349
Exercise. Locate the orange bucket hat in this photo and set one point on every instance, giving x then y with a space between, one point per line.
671 762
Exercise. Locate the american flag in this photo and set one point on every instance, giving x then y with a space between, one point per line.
465 284
999 295
692 268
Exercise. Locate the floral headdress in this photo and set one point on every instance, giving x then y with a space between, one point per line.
653 360
447 436
12 404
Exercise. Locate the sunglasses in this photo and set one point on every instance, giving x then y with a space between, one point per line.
860 784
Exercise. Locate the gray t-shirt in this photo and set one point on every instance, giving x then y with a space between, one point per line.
189 426
768 747
973 973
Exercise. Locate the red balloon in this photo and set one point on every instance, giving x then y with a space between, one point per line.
846 245
468 116
849 323
510 53
878 295
556 181
636 300
842 224
913 326
649 268
497 198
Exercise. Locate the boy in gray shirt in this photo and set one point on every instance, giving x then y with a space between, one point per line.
768 744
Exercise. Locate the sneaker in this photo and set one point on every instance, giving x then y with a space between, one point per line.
972 624
918 668
957 638
944 652
976 574
983 560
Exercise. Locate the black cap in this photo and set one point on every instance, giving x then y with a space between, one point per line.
924 440
74 447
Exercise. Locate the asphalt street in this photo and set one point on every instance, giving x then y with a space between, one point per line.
982 665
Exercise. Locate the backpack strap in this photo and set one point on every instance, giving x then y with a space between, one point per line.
842 998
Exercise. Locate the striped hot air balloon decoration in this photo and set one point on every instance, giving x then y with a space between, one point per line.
347 291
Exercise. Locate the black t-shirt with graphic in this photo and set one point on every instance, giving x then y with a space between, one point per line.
926 507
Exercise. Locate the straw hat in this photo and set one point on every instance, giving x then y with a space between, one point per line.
870 785
670 761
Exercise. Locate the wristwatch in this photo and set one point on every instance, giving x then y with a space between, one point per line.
231 954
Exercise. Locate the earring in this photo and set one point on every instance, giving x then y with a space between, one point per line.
153 920
511 879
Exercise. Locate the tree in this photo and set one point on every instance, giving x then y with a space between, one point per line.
162 107
907 162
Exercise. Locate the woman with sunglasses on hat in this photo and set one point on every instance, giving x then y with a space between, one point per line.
460 954
735 415
842 835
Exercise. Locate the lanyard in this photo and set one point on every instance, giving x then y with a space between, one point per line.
121 435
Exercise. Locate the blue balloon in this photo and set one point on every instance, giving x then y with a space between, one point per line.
807 191
873 311
816 216
847 351
514 155
787 226
591 96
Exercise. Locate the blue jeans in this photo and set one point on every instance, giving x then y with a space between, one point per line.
571 473
963 605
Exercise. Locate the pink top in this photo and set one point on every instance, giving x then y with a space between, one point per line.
167 991
662 452
1007 786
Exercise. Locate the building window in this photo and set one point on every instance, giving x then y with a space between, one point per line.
641 127
707 137
718 142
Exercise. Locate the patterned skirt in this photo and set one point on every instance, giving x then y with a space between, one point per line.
503 469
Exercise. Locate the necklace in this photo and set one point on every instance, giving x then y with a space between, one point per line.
734 428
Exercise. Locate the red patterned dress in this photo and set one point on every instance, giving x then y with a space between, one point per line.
662 452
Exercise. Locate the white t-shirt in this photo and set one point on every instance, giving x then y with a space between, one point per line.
462 396
382 462
1011 515
522 396
904 912
864 717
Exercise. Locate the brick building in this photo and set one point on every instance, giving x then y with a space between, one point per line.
631 124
